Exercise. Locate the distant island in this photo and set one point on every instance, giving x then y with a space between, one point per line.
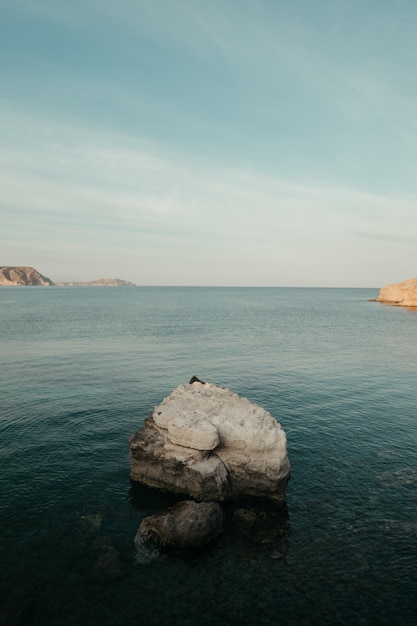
100 282
399 294
24 276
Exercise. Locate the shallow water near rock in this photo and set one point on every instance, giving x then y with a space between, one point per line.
80 370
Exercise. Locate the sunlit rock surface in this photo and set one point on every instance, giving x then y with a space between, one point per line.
22 276
401 294
210 444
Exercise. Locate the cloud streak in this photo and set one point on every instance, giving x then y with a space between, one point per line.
167 212
195 143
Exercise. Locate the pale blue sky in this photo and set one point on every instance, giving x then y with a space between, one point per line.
230 142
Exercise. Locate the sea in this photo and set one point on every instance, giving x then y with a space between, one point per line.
80 370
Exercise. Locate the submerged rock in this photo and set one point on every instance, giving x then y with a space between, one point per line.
146 551
210 444
108 565
258 526
184 526
91 523
401 294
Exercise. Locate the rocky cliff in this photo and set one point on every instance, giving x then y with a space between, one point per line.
28 276
400 294
22 275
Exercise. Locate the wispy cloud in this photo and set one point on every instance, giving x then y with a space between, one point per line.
67 186
387 237
254 143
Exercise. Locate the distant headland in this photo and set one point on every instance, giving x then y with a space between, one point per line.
100 282
24 276
399 294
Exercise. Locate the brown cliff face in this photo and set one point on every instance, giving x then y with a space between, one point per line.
22 276
400 294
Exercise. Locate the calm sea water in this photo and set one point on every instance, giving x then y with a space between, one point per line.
81 368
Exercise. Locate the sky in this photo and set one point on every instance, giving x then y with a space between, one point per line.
229 142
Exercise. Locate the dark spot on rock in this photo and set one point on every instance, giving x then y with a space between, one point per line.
194 379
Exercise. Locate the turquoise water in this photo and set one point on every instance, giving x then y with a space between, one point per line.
81 368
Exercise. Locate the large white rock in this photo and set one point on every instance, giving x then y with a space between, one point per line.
401 294
207 442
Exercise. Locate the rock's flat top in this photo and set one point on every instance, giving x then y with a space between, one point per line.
401 294
22 275
204 416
